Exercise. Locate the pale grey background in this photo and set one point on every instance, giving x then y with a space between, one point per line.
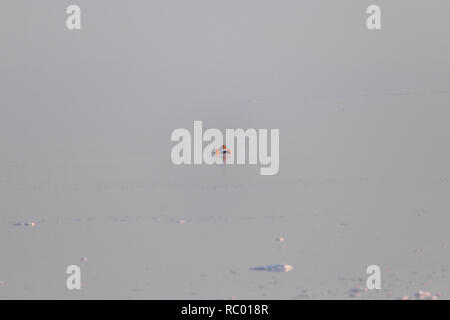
85 124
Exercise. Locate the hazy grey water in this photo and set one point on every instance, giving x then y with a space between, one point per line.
85 124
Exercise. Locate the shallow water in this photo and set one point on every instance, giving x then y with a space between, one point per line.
85 124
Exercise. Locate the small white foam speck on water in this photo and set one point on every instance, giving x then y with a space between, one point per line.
26 224
274 268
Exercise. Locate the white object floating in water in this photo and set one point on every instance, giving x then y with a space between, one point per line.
422 295
274 268
27 224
